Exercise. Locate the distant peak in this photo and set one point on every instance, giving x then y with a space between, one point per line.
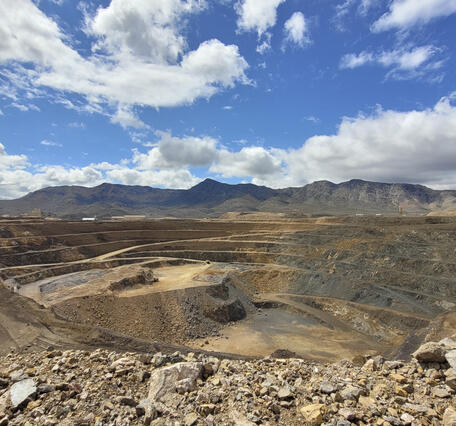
357 181
208 183
105 185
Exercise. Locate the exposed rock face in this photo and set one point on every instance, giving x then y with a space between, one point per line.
227 312
102 387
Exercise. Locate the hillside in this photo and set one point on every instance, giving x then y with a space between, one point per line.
212 198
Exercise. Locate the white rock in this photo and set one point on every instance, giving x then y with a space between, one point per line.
21 391
407 418
167 380
448 343
451 358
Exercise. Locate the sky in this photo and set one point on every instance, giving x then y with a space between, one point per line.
279 93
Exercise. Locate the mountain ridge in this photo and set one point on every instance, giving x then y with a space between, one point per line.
212 198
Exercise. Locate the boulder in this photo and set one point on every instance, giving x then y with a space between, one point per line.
373 364
168 380
449 417
431 352
327 387
449 343
191 419
451 358
313 414
284 393
22 392
347 414
351 392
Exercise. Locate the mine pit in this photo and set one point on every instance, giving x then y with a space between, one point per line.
322 289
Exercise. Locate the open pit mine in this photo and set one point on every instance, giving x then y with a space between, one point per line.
251 319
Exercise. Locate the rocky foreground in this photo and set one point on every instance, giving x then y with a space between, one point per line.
109 388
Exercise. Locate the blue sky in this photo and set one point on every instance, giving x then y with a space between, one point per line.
275 92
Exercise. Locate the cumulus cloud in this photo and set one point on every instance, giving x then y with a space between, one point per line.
403 14
18 176
182 179
388 146
253 161
12 162
139 57
297 30
255 15
403 62
143 28
173 152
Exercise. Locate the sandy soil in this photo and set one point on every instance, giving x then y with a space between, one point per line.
267 331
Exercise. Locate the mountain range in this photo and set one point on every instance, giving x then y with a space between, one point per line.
211 199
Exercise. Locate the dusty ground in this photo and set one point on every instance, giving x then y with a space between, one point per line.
326 289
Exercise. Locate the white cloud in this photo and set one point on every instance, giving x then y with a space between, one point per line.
18 176
404 14
407 60
1 112
254 161
12 162
173 152
388 146
264 46
297 30
182 179
127 118
227 108
139 57
404 63
24 108
342 10
147 29
257 15
46 142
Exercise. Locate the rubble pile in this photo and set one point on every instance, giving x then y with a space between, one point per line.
108 388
